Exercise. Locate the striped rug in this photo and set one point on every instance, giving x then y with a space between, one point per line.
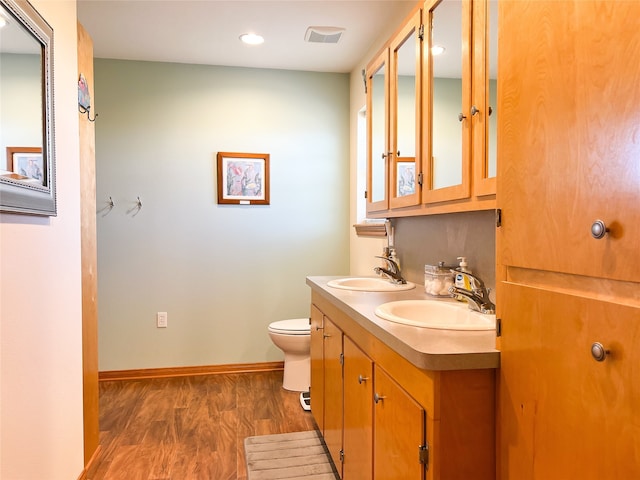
288 456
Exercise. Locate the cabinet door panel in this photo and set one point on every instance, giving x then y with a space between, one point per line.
317 367
399 429
333 391
569 138
378 147
358 413
564 415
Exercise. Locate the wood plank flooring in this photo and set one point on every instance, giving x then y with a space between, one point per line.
190 428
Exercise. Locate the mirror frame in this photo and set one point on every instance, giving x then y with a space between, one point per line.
16 196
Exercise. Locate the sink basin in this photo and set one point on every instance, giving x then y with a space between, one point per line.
369 284
435 314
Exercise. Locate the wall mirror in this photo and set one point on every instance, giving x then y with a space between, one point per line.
27 153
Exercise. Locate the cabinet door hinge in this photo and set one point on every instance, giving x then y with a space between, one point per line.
420 178
423 455
342 456
498 217
421 32
498 327
342 359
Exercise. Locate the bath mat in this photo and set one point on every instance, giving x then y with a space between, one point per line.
288 456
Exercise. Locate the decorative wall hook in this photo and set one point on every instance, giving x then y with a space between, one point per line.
139 203
111 204
84 99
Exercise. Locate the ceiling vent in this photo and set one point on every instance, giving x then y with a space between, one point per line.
323 34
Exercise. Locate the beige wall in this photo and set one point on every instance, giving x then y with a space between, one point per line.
40 301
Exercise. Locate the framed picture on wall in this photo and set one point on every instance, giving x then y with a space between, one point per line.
26 162
243 178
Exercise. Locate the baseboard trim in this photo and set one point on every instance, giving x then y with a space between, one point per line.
88 466
189 371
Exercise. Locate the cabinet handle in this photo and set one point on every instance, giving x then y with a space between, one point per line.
598 229
461 116
362 379
474 110
319 328
490 110
377 398
324 335
598 352
388 154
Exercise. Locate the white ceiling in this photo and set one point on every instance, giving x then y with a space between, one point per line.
207 31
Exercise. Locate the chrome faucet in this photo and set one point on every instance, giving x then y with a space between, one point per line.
393 272
477 297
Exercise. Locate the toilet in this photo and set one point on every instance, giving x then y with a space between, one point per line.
293 337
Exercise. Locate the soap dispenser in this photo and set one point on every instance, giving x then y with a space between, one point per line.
462 281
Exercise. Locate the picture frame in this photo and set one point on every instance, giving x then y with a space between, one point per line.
27 164
243 178
405 176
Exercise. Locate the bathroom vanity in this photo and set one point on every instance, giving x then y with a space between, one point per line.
398 401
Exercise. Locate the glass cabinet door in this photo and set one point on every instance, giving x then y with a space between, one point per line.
405 108
485 66
447 101
378 151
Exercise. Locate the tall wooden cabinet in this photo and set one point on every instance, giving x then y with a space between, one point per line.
569 244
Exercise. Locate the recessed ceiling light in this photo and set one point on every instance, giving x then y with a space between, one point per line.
251 38
437 50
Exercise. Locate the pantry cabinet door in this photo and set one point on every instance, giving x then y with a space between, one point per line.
564 415
569 141
399 431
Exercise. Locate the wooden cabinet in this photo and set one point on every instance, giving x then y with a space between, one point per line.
431 118
358 412
333 392
563 414
317 366
393 120
326 382
399 431
399 421
569 154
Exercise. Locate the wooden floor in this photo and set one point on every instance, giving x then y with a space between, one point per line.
190 427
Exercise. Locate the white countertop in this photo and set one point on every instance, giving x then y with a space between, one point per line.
427 348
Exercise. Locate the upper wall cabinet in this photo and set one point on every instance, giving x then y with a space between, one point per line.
459 98
432 126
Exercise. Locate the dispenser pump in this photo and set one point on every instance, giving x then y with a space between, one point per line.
463 264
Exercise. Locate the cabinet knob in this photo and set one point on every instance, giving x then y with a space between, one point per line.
598 229
474 110
461 116
598 352
362 379
378 398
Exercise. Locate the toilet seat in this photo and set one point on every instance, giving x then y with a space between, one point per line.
296 326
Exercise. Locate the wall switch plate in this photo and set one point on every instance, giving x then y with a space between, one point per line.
161 319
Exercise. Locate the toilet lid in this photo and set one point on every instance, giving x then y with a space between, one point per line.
297 326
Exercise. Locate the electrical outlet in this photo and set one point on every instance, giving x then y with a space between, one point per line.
161 319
